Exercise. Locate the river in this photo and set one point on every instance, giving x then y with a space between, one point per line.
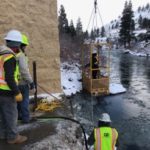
130 111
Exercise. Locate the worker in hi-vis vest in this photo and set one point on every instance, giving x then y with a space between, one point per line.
104 137
25 82
9 91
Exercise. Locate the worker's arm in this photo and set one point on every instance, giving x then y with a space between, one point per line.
91 139
117 141
117 144
9 67
24 69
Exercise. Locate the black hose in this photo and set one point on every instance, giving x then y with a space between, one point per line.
73 120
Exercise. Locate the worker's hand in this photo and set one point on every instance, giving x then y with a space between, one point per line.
33 91
18 97
32 86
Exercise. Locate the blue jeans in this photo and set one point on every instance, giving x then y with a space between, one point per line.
23 106
8 118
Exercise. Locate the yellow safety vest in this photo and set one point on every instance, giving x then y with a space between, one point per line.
105 138
26 59
3 83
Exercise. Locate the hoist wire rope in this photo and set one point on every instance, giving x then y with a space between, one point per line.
93 22
90 19
96 15
94 26
100 17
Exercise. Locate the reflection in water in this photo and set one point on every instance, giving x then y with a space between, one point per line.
147 70
125 70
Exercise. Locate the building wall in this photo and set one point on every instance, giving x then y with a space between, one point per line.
38 20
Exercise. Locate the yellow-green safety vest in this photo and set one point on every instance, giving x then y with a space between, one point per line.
3 83
26 59
105 138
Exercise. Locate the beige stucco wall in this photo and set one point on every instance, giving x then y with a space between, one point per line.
38 20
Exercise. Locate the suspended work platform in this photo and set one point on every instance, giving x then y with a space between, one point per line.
96 67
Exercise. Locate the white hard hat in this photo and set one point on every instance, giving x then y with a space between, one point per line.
94 51
14 35
105 117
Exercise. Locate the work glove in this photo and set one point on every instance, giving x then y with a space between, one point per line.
32 86
18 97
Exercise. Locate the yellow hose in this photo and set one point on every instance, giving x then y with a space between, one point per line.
48 106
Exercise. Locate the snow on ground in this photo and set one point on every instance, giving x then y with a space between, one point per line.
71 83
115 88
71 80
61 140
141 49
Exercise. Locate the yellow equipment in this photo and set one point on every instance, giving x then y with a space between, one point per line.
100 84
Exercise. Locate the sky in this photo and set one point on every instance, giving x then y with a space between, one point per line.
109 10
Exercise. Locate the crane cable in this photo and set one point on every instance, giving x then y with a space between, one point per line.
90 19
95 13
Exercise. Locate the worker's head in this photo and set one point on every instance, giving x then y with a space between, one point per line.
13 40
24 42
94 55
104 119
94 51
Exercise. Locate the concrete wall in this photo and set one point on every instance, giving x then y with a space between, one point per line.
38 20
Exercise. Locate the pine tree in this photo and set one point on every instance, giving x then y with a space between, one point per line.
117 25
72 29
102 31
112 26
139 9
63 21
143 8
146 23
147 6
97 32
86 35
140 20
92 35
127 24
79 30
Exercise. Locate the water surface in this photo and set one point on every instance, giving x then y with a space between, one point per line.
130 111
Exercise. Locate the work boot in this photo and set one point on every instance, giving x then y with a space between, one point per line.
19 139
